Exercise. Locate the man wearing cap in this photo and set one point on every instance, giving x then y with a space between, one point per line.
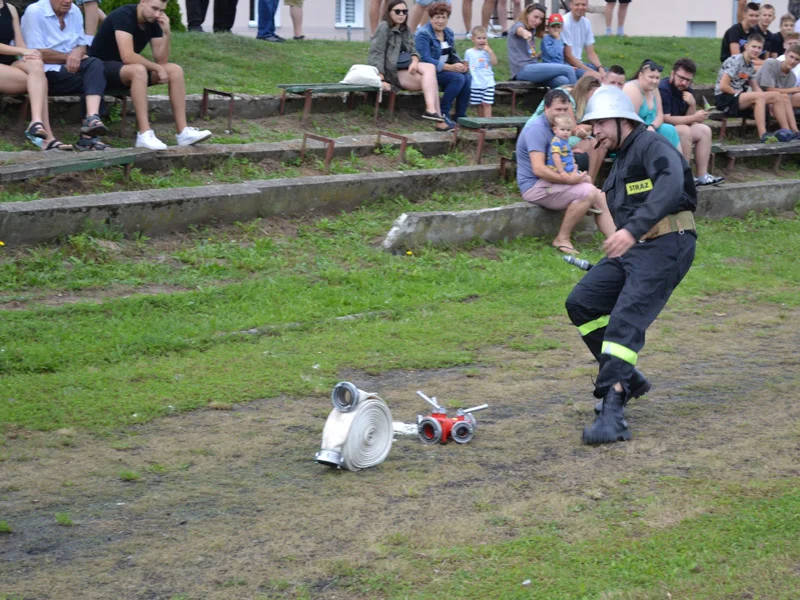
651 196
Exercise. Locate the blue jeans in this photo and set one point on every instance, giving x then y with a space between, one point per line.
456 87
551 74
266 17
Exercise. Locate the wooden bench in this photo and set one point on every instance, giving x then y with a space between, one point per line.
309 89
777 150
722 119
483 124
516 87
70 162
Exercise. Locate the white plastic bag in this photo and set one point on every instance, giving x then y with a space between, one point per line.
362 75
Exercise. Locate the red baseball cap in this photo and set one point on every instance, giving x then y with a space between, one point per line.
555 18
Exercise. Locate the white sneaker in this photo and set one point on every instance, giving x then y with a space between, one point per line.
149 140
468 35
192 135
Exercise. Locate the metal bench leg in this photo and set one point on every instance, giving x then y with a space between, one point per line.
23 110
777 165
392 101
481 141
513 103
307 107
723 125
283 103
123 114
731 161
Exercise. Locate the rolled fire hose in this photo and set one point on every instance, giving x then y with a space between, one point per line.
358 432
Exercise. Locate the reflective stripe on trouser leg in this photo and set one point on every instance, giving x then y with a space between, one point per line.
591 326
620 351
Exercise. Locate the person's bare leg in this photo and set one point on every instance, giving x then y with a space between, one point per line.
486 12
487 110
502 14
604 221
177 95
425 81
466 13
415 17
374 14
622 11
701 136
93 105
609 14
572 216
91 14
685 136
135 77
35 83
296 12
755 100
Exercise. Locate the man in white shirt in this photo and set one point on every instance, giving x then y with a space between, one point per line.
55 28
578 37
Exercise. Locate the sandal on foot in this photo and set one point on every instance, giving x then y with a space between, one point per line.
90 144
93 126
566 249
57 145
37 130
432 117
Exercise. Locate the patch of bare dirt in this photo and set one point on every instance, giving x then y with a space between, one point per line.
230 503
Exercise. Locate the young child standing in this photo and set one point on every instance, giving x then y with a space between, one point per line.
559 153
552 44
481 59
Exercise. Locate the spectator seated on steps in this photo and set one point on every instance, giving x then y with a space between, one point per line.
118 44
55 29
737 90
681 111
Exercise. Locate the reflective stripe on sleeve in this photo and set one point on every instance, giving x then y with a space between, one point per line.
620 351
591 326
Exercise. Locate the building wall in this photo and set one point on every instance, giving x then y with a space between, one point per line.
645 17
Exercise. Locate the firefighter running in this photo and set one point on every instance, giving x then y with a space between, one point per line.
651 195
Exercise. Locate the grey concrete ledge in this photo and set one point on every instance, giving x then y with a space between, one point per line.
161 211
455 228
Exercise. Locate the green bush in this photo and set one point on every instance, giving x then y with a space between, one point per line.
173 10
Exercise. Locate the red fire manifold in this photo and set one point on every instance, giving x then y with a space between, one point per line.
438 427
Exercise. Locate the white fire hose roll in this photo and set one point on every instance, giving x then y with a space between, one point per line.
359 438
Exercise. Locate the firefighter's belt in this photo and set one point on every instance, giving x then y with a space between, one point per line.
679 222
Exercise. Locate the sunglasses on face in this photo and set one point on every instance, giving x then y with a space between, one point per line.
653 66
400 11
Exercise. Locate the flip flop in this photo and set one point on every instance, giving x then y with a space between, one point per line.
36 129
57 145
567 249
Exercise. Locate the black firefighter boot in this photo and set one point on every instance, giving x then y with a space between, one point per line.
639 387
609 426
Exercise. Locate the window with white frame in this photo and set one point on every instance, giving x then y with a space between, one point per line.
350 13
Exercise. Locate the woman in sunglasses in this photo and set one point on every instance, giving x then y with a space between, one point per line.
643 92
393 53
525 61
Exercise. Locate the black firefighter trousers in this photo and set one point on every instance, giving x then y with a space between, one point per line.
616 301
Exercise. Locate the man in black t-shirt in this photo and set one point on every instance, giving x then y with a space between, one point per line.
125 32
735 38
